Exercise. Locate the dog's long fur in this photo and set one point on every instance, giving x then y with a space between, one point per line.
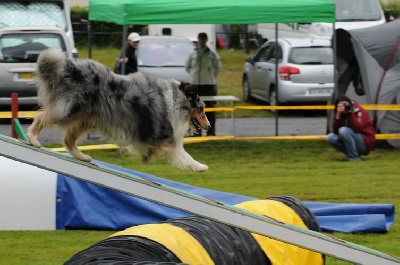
150 115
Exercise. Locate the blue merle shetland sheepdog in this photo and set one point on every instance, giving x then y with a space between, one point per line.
145 114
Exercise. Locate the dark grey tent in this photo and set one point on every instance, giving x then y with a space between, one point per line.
368 60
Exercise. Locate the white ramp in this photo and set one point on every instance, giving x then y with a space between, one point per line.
197 205
28 200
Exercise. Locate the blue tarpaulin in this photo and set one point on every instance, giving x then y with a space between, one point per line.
82 205
353 217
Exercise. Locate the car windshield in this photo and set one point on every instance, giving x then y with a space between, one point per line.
32 13
163 54
357 10
25 47
311 55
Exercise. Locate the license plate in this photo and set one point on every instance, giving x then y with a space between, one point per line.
321 91
26 75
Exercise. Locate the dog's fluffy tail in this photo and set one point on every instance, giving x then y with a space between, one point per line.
50 65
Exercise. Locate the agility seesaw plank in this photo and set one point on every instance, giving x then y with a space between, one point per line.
191 203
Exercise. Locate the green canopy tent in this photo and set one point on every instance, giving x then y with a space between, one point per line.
144 12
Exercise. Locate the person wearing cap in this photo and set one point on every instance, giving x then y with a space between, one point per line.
130 53
204 65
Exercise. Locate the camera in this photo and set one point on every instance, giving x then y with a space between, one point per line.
347 107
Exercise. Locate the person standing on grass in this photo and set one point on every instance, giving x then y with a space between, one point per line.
131 65
204 65
353 131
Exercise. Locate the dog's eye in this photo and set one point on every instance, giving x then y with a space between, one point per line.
200 109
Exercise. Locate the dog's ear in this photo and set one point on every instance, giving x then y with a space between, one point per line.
188 89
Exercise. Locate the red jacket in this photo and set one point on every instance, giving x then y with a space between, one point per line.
360 122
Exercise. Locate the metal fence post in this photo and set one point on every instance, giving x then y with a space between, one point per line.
14 114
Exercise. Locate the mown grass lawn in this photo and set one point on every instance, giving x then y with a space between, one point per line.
310 171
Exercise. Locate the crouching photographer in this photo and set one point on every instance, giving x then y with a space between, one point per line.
353 131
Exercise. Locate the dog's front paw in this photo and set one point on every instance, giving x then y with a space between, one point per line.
85 158
199 168
33 140
79 155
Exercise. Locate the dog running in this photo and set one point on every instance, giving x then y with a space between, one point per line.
147 115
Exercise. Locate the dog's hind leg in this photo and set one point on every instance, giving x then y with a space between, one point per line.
147 156
70 141
183 160
36 127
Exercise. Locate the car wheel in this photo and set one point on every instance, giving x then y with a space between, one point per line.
273 101
246 90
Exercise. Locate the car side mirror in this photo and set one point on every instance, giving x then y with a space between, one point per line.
250 59
388 15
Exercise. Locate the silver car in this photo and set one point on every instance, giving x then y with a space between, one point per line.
164 56
305 72
19 49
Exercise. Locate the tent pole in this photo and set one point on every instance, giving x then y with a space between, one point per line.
334 45
335 80
124 37
89 39
276 81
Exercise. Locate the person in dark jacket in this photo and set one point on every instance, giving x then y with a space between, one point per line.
353 131
130 53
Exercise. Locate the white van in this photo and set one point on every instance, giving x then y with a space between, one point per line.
189 31
350 14
38 13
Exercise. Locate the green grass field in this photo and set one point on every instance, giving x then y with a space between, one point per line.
308 170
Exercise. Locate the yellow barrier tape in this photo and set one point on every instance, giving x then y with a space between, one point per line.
5 115
190 140
284 107
21 114
88 147
27 114
288 137
326 107
381 106
382 136
387 136
31 114
202 139
219 109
